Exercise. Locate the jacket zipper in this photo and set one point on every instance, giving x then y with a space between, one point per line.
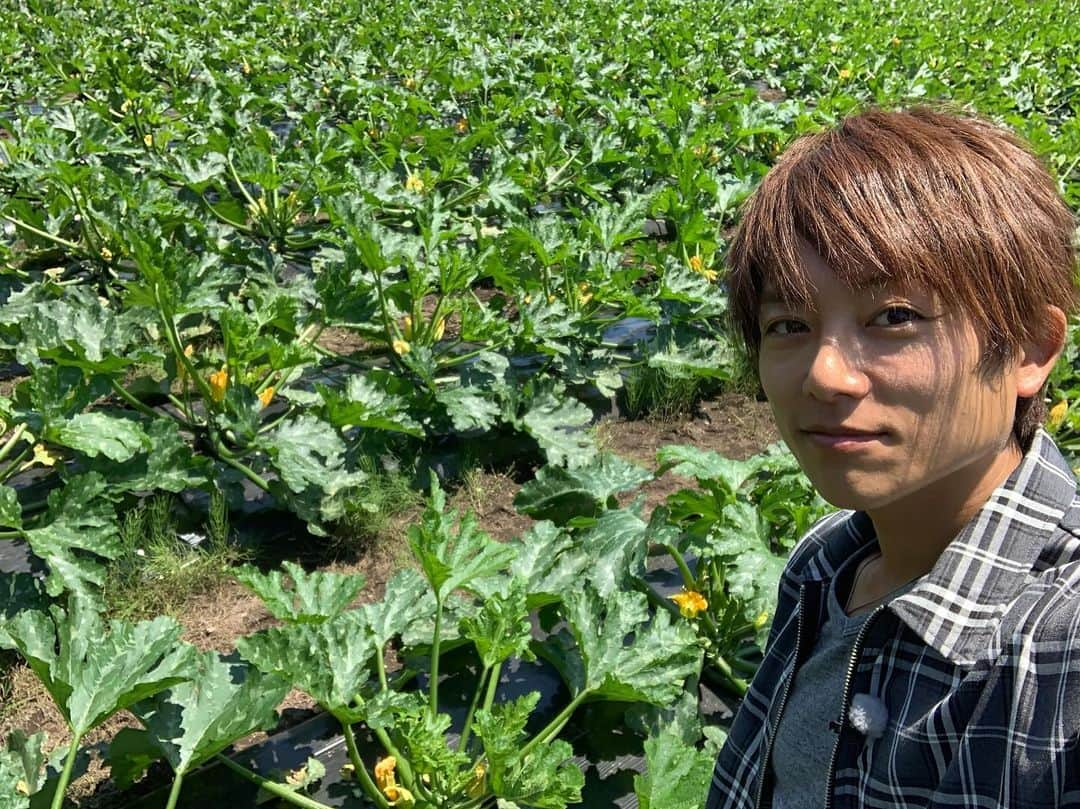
783 699
853 661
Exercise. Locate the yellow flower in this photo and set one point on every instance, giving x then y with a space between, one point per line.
895 42
219 381
386 781
584 295
399 796
414 183
326 89
462 125
762 619
401 347
267 396
696 263
246 68
844 73
384 773
106 254
41 456
125 106
22 787
296 777
1057 415
528 299
148 139
439 329
410 83
690 603
478 783
551 298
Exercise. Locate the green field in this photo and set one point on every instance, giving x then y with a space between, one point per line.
282 253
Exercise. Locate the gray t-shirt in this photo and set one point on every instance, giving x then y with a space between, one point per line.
804 740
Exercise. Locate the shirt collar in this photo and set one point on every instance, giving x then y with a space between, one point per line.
956 607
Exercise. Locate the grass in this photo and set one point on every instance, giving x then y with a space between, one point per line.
371 515
658 394
158 569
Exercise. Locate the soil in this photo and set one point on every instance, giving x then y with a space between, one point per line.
731 424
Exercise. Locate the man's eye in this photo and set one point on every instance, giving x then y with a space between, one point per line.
896 316
783 327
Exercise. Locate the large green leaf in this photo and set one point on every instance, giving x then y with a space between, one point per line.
18 592
10 510
408 599
100 433
312 598
308 453
331 660
367 403
614 651
92 671
560 494
168 464
469 408
225 700
707 465
676 776
78 529
616 544
452 556
22 769
559 426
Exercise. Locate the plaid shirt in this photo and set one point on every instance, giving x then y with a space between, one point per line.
978 665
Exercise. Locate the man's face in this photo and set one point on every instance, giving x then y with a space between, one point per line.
876 392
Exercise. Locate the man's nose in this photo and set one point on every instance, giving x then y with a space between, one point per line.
835 370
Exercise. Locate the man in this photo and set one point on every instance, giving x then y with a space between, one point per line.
902 282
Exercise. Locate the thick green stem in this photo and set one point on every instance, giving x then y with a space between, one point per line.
42 233
380 667
369 786
555 725
737 684
243 469
688 578
174 793
467 728
433 685
174 341
65 776
12 441
493 686
272 787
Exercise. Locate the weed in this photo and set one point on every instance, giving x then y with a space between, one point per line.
659 394
158 568
370 513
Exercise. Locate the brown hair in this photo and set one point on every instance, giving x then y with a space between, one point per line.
943 200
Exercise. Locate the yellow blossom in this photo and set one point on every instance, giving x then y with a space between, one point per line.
126 106
148 139
528 299
439 329
895 42
690 603
414 183
401 347
410 83
296 777
696 263
406 327
583 293
106 254
22 787
41 456
219 381
462 125
384 772
267 396
477 784
326 89
1057 415
246 68
551 299
762 619
399 796
373 133
844 73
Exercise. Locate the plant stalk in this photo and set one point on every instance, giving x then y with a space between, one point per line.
369 786
174 793
555 725
272 787
467 727
65 776
433 686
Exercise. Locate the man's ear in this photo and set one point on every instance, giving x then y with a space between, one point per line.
1039 353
